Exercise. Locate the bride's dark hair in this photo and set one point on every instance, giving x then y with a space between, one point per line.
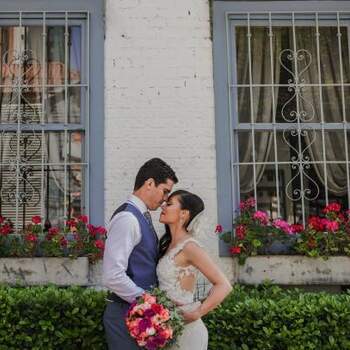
188 201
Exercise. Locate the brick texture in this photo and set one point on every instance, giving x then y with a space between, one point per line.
159 100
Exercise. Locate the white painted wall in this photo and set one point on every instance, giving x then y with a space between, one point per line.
159 100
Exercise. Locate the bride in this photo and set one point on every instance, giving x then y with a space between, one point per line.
182 258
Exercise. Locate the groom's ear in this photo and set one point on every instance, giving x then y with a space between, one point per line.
149 182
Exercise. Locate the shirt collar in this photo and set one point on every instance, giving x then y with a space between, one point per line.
138 203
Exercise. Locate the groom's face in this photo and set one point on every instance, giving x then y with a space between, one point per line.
159 194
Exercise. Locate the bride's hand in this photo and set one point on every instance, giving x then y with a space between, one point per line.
191 316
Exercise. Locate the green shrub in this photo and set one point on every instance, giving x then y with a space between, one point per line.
45 318
271 318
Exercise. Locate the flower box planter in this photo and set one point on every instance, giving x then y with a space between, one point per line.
44 270
293 270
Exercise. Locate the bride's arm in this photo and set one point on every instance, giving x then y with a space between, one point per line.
197 257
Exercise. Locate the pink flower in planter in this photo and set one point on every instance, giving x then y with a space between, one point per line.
36 220
218 229
240 231
261 216
283 225
247 204
296 228
332 207
331 225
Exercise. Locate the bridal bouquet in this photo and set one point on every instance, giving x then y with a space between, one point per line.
154 320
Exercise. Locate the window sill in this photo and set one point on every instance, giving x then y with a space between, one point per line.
293 270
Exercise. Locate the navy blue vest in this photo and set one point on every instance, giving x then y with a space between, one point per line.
144 257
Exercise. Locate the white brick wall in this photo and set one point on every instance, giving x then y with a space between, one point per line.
159 99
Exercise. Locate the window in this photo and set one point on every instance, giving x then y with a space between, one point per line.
46 112
288 78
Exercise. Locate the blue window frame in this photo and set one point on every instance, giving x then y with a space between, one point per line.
51 123
248 18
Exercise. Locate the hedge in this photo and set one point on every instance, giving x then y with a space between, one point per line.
44 318
272 318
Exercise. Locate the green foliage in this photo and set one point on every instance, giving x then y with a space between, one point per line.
271 318
45 318
262 318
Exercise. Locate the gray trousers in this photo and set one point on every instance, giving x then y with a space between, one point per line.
117 334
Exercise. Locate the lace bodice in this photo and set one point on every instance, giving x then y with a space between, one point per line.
170 275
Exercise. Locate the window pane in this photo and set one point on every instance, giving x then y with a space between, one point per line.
56 55
26 102
56 104
36 188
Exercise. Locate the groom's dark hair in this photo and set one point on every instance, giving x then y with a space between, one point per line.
156 169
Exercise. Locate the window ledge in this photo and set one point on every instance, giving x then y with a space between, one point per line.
41 271
293 270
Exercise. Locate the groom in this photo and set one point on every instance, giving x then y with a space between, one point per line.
131 252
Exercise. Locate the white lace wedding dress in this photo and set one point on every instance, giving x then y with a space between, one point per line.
195 335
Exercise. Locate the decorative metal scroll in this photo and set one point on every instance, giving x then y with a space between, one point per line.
23 147
303 113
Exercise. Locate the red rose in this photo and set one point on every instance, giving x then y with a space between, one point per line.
235 250
218 229
36 220
157 308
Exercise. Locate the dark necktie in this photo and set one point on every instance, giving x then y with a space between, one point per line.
148 217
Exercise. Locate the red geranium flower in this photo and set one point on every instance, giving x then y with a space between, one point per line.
218 229
83 218
235 250
99 244
332 207
63 242
297 228
240 231
30 237
36 220
5 230
101 230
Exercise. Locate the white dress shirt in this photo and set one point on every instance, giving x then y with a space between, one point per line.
124 233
